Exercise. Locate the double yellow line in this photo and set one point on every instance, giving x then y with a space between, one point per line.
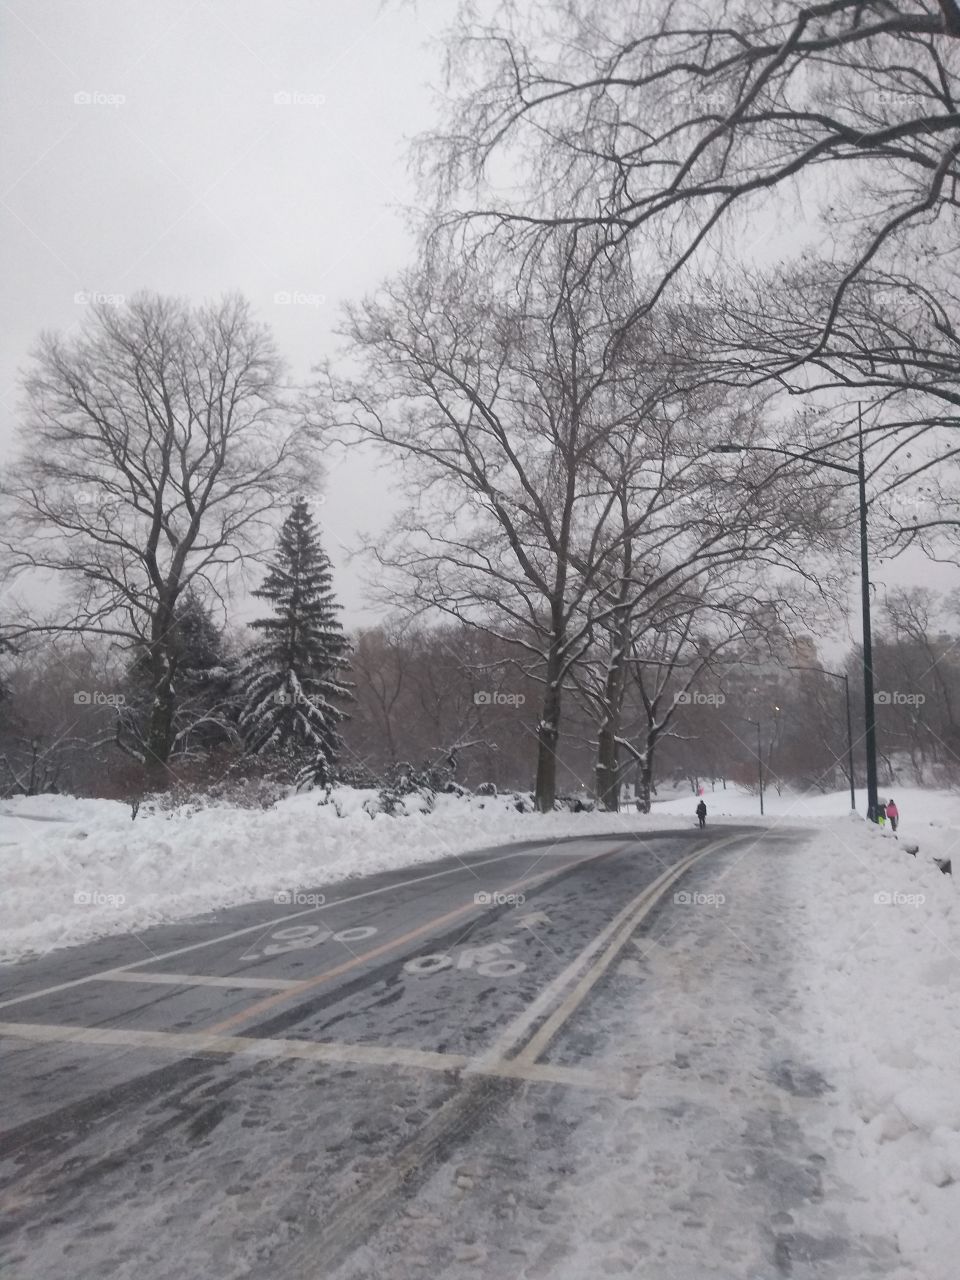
427 929
557 1003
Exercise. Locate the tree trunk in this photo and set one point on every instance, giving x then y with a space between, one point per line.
608 768
548 736
608 752
548 730
160 729
160 726
645 782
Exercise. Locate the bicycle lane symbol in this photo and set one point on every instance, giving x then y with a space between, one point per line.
299 937
493 961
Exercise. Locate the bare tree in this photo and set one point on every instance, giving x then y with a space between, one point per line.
55 732
438 695
920 682
557 473
674 127
156 447
492 403
671 642
671 119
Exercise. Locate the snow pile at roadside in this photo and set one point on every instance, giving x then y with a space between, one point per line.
878 959
73 870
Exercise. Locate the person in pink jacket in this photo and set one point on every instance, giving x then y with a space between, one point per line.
893 813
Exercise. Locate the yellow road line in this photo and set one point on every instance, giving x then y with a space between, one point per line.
513 1036
190 1042
497 1063
394 944
264 925
642 906
185 1043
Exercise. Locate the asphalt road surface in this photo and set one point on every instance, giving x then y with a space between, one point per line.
263 1091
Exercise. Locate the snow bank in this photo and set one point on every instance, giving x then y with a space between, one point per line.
73 870
878 960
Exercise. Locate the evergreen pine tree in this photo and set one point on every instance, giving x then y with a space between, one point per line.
202 684
292 675
201 680
203 676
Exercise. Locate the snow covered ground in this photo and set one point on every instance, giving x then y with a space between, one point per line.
73 870
875 945
841 952
877 950
792 1027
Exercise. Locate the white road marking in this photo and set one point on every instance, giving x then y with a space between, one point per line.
643 905
190 1042
490 961
264 925
185 1043
553 995
496 1063
201 980
385 948
300 937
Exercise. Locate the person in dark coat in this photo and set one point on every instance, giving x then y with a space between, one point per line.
882 814
702 814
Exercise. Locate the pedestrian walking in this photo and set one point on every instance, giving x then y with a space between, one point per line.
881 814
893 813
702 814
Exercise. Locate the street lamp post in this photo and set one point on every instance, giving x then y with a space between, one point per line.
756 724
869 706
841 675
859 471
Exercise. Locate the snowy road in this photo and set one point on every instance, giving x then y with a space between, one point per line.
541 1060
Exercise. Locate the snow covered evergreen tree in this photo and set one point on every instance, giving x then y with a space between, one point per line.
201 683
292 677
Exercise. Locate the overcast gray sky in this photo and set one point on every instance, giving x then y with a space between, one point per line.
203 146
